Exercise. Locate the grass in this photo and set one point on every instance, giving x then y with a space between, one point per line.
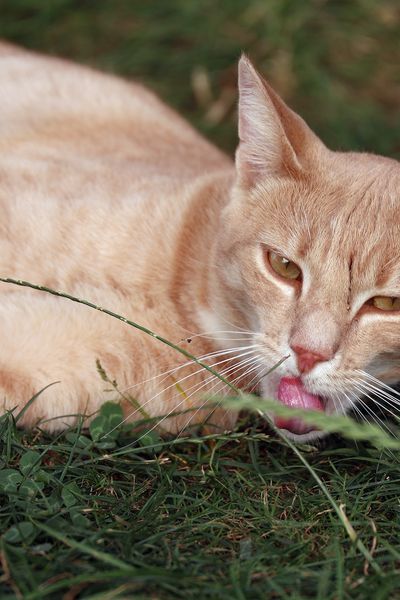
228 516
240 515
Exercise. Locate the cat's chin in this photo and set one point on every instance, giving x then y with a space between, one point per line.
304 438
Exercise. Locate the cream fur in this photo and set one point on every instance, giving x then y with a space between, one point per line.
109 195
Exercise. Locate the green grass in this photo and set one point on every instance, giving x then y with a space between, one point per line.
228 516
83 515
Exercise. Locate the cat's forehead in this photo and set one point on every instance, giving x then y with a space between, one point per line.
341 197
347 212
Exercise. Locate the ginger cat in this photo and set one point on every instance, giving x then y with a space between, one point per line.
107 194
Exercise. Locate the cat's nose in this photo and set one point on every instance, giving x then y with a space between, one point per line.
307 359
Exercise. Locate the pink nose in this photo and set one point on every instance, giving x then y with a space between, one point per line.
307 359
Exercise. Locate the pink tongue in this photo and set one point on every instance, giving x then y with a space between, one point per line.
292 393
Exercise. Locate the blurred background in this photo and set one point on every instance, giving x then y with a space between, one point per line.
337 62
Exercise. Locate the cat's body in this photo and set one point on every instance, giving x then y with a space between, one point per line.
108 195
96 179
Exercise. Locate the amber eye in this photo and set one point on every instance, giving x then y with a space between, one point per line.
283 266
385 303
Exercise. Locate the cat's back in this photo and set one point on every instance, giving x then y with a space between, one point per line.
49 99
92 169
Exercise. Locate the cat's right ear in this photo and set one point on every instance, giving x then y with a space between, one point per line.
273 139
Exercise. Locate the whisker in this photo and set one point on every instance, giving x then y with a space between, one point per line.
254 366
223 373
380 383
198 409
234 325
370 412
217 339
373 415
335 396
213 334
364 391
177 383
379 423
384 396
269 370
350 400
220 385
257 378
203 358
185 399
234 382
381 393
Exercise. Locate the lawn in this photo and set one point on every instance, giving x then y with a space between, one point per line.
240 515
228 516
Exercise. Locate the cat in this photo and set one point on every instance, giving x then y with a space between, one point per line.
287 257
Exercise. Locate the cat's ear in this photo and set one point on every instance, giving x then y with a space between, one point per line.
273 139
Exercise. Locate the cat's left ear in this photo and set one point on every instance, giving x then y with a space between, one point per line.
273 139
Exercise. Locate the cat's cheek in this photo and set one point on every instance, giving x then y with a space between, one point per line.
274 306
374 346
270 291
231 276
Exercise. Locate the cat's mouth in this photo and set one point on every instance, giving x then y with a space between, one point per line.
291 392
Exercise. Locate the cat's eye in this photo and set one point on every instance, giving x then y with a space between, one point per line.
283 266
385 303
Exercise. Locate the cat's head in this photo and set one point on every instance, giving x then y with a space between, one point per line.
309 257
